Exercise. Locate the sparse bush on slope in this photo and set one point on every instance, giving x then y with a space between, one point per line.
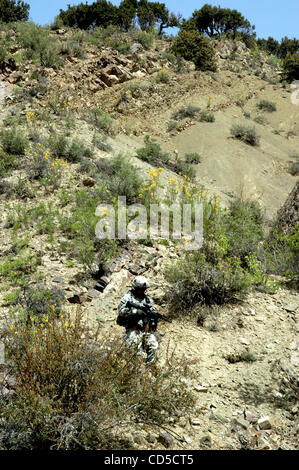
78 391
226 266
246 134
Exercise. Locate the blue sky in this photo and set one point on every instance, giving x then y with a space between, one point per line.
276 18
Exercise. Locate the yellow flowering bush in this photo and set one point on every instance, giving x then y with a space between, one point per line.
44 166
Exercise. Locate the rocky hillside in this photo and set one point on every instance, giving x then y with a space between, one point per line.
107 99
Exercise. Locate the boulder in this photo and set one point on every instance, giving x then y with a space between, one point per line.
264 423
109 80
166 439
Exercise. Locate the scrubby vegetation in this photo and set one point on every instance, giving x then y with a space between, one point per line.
227 265
79 390
246 134
266 105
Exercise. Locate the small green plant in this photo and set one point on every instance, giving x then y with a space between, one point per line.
189 111
8 163
41 300
170 57
162 77
101 120
245 134
152 152
50 58
73 49
205 116
146 39
3 54
260 120
266 105
172 126
182 168
193 158
121 178
13 141
248 357
71 151
22 190
214 327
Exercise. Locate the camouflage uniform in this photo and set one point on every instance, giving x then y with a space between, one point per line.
136 335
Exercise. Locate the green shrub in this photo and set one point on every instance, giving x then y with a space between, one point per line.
122 178
260 120
13 141
162 77
246 134
193 158
281 254
227 264
3 54
34 39
152 152
194 280
50 58
207 117
73 49
170 57
40 300
123 48
189 111
240 229
79 391
195 47
22 190
78 226
71 151
101 120
182 168
266 105
248 357
172 126
18 268
57 24
8 163
146 39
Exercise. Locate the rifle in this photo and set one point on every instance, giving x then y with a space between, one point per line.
151 318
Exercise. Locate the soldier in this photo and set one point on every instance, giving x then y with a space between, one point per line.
137 313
